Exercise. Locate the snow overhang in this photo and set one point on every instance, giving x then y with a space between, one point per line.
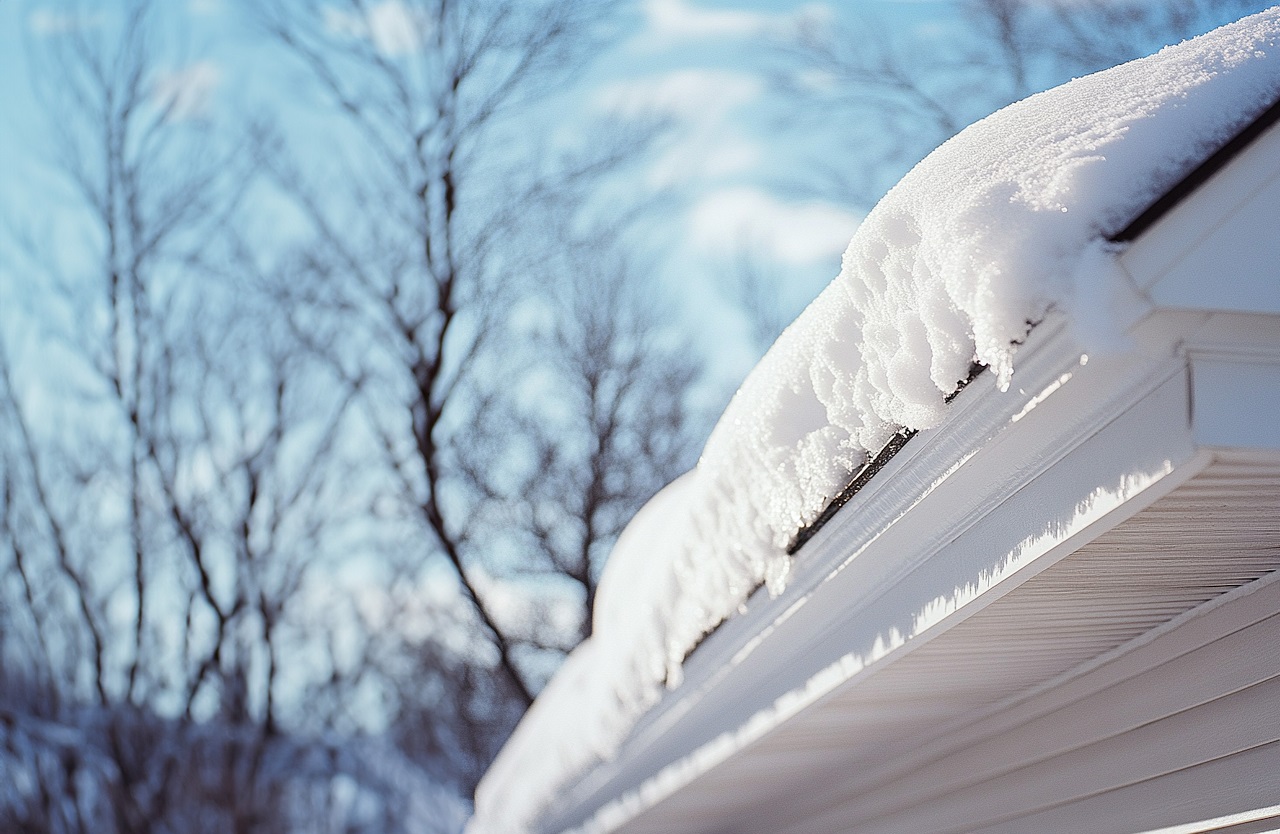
1144 387
847 669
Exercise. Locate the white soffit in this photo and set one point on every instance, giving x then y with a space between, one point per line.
1027 540
975 727
1071 477
1014 565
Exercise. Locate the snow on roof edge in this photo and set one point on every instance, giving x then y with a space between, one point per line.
1187 186
998 225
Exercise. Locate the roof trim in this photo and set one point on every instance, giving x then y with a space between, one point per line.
1199 175
866 473
1158 209
863 476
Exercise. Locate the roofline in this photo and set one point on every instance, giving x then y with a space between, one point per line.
862 476
891 548
1158 209
1201 173
736 677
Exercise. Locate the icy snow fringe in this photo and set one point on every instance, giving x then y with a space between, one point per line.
995 227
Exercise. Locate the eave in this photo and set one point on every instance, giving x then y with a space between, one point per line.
974 542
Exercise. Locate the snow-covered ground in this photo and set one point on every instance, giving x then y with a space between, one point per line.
997 226
103 771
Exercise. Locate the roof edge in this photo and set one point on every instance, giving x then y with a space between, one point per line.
1185 187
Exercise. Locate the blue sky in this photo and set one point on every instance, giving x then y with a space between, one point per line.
737 174
700 63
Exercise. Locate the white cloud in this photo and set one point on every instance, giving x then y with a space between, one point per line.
48 22
678 19
705 155
391 26
730 155
394 28
790 232
187 93
699 94
701 103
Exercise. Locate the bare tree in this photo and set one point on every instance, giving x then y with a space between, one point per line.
171 457
207 779
617 426
175 425
419 284
888 96
589 419
897 94
227 420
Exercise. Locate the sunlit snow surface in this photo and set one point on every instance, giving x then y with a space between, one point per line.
995 227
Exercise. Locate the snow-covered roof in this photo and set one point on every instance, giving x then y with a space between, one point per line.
1004 224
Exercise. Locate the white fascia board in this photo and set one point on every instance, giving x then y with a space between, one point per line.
1219 248
1218 252
1236 403
1008 485
1012 482
1235 380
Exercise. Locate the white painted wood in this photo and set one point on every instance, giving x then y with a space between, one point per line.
1231 725
1236 403
1236 266
1056 612
1255 821
789 768
1216 204
760 789
929 553
1033 781
1205 626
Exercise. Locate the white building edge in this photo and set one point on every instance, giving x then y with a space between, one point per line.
1057 611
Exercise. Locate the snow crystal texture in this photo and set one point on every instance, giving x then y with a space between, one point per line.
997 226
